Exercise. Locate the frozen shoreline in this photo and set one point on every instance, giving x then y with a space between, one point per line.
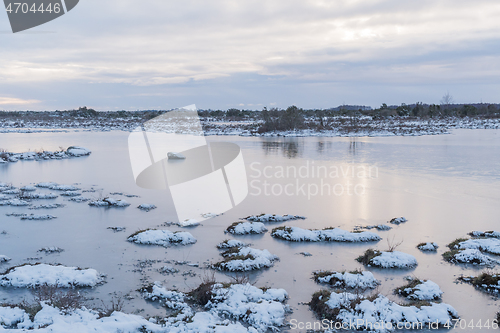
340 126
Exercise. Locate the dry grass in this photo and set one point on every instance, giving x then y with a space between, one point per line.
368 256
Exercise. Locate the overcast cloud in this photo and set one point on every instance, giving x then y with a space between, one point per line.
249 54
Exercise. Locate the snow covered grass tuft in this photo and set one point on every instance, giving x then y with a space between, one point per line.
494 234
398 220
241 259
161 237
146 207
48 206
348 307
421 290
14 202
109 202
36 195
230 243
429 246
246 228
226 307
386 259
489 282
116 229
488 245
295 234
469 256
36 217
51 249
4 258
273 218
354 280
32 275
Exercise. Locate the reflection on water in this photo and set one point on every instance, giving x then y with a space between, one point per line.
288 147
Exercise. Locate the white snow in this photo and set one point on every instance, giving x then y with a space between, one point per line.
361 280
386 313
252 259
51 275
70 193
273 218
209 215
296 234
245 228
394 259
424 291
146 207
163 238
429 246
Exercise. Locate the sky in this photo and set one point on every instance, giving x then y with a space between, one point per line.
220 54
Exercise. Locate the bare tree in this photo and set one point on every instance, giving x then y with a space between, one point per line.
447 99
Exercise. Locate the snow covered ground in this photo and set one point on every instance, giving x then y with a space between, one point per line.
273 218
388 259
429 246
422 290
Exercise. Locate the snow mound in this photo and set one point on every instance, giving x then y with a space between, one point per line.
36 195
231 243
209 215
70 194
28 188
262 310
245 259
116 229
168 270
76 151
469 256
51 249
175 156
381 313
295 234
35 217
48 206
4 258
146 207
162 237
79 199
246 228
46 184
422 290
354 280
51 275
494 234
57 187
394 259
273 218
189 223
381 227
398 220
429 246
14 202
109 202
488 245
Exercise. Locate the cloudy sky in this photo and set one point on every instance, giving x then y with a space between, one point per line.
150 54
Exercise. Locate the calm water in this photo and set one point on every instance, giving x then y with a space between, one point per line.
446 186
